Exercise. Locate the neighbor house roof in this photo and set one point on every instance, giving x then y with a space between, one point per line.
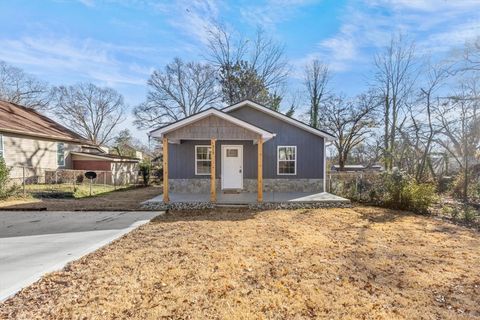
25 121
280 116
350 166
266 135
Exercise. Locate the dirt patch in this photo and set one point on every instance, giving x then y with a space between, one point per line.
360 263
125 199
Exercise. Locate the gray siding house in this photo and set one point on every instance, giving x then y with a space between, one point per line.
244 147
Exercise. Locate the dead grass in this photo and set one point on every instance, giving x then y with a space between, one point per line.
361 263
125 199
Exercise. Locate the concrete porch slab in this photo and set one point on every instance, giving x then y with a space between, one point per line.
251 198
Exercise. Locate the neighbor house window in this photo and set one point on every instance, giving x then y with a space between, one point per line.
287 160
60 154
203 160
1 146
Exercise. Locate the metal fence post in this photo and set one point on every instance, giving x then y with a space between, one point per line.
74 180
23 181
330 182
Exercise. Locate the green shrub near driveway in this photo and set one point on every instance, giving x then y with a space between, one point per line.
6 187
145 168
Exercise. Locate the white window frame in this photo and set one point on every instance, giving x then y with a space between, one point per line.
2 142
196 160
56 155
278 161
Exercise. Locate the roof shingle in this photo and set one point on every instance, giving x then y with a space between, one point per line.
21 120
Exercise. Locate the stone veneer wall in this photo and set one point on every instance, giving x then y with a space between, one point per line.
249 185
253 206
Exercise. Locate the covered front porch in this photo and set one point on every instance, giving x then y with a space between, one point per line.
208 133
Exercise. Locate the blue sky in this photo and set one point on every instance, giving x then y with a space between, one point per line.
118 43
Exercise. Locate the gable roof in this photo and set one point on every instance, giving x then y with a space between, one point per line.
159 132
25 121
280 116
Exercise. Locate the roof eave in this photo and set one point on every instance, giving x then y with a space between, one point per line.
160 132
45 136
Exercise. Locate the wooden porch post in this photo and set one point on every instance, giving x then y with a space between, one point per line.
166 199
260 171
213 189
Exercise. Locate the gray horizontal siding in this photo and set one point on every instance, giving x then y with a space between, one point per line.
309 150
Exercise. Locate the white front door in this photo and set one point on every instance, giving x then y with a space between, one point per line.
232 167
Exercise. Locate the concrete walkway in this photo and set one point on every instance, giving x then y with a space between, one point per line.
35 243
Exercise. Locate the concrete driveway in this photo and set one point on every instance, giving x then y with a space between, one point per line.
34 243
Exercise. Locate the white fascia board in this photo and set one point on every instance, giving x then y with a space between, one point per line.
280 116
162 131
99 156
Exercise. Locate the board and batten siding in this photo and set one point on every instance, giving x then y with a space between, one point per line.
309 146
309 150
181 158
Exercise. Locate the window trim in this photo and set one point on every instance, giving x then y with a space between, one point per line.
278 161
196 160
63 162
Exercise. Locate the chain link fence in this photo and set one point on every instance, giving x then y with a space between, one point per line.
66 182
352 185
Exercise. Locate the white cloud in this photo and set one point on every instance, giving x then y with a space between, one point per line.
435 26
424 5
273 12
85 59
192 17
88 3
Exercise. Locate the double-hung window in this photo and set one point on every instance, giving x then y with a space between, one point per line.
287 160
1 146
60 154
203 160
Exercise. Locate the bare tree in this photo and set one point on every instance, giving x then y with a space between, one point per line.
262 59
18 87
91 111
436 75
459 118
395 77
472 55
178 91
350 122
316 80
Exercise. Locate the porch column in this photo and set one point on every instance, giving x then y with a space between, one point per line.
213 189
260 171
166 199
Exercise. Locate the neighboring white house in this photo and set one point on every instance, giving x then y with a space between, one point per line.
29 139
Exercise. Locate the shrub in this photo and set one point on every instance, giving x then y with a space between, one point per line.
418 197
469 214
394 189
79 178
145 169
5 189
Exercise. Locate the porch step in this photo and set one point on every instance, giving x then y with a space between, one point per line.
231 191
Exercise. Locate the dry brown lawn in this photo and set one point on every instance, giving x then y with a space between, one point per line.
361 263
124 199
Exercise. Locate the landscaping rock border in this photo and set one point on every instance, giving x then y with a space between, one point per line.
253 206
